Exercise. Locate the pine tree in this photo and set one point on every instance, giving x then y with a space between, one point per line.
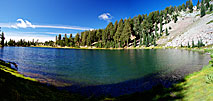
183 7
145 32
167 32
188 45
207 4
198 4
175 18
56 39
77 39
141 33
191 7
70 38
161 26
136 26
156 29
211 7
127 31
115 28
89 40
202 11
66 40
59 37
108 31
193 45
154 42
2 39
84 39
98 34
198 44
119 31
134 42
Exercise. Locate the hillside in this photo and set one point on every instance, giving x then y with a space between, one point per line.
189 27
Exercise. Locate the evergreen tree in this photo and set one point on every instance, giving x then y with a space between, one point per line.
183 7
190 6
202 11
134 42
198 4
59 37
77 39
167 32
108 32
127 31
156 29
56 39
198 44
175 18
119 31
188 45
145 31
6 43
2 39
136 26
141 33
89 39
99 34
66 40
161 26
179 8
115 28
193 45
71 41
84 39
207 4
211 7
154 42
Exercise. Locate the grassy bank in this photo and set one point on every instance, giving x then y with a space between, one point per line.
194 87
156 47
16 87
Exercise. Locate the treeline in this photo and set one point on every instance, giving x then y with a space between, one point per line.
193 45
22 42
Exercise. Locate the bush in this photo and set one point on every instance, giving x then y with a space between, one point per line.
209 78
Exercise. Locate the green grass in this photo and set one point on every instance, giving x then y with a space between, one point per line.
16 87
209 12
209 22
197 86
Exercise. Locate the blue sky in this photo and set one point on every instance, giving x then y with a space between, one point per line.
44 19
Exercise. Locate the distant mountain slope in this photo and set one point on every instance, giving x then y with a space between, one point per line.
189 27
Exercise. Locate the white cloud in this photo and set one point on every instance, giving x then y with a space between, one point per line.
22 24
41 36
105 16
27 24
62 27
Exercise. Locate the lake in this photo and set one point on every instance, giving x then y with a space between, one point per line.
114 72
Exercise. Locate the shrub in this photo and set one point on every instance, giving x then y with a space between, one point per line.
209 78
